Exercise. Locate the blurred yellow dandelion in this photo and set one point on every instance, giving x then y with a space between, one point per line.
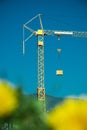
70 115
8 99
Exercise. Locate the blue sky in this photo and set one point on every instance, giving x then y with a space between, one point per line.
56 15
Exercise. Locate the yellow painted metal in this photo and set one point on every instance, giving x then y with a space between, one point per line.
40 43
40 32
41 97
41 93
59 72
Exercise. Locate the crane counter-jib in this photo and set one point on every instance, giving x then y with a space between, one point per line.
63 33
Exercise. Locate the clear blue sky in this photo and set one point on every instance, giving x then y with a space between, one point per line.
57 15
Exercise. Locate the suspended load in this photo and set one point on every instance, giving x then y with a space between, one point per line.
59 72
59 50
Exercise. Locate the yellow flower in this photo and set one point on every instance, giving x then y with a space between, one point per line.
8 99
70 115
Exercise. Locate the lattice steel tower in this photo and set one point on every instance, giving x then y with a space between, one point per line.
40 41
41 88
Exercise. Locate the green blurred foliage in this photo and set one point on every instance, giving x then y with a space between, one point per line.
28 116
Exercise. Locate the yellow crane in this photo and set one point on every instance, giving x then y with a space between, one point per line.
40 33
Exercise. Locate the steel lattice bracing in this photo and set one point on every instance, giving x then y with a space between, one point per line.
40 66
41 88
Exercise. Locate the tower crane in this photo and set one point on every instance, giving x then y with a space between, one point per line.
40 33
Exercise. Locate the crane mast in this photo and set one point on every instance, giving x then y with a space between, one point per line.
41 88
40 33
